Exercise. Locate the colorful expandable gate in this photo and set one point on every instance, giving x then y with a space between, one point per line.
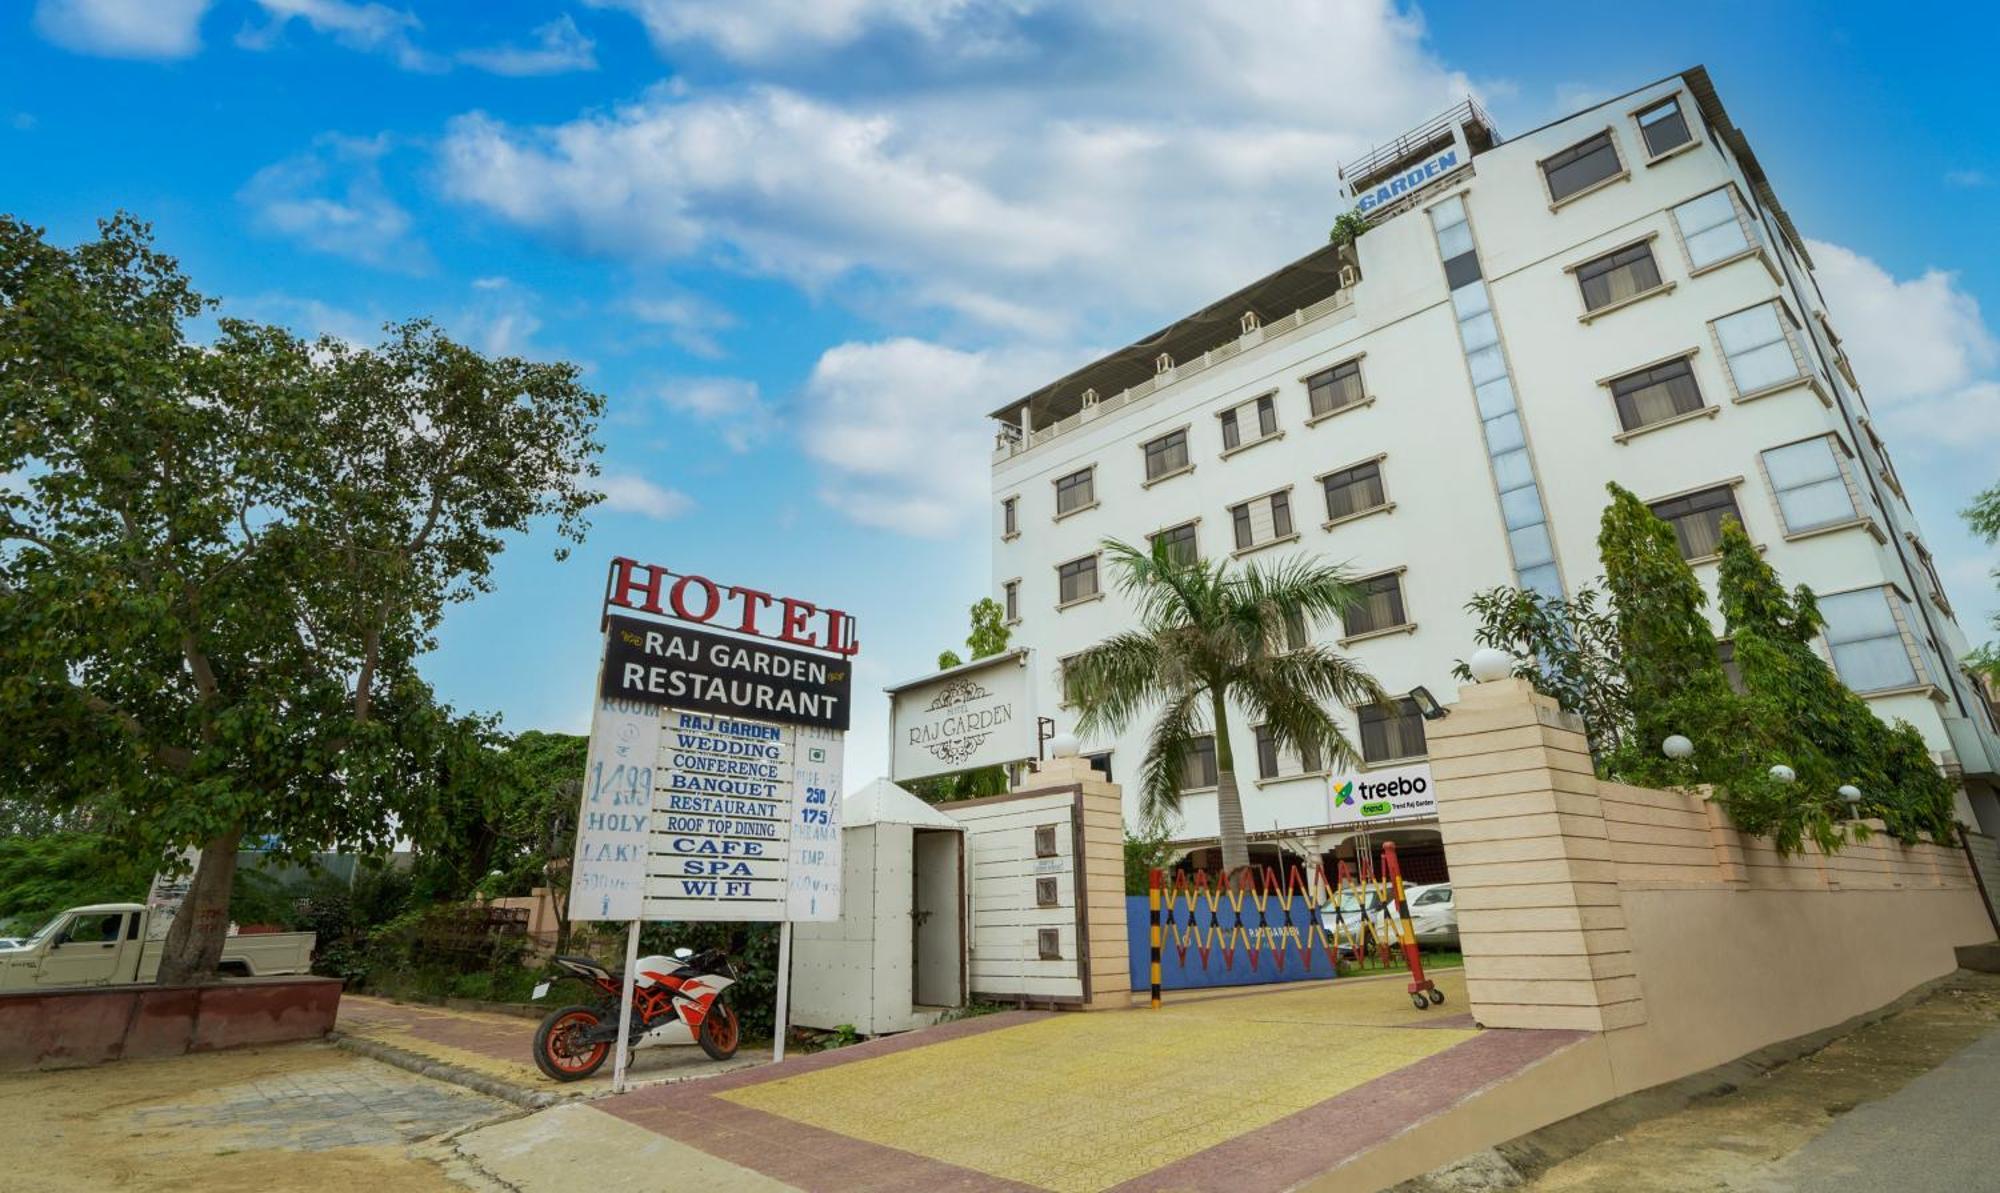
1254 914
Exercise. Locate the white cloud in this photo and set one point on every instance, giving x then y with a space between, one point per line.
1920 346
1144 158
630 493
731 404
331 199
1969 179
501 318
559 47
311 318
123 28
763 30
691 320
368 27
898 426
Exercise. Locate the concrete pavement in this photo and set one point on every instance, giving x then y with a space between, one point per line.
1935 1135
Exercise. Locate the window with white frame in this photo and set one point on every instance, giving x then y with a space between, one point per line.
1759 345
1077 491
1653 395
1274 761
1335 389
1076 580
1262 520
1378 605
1355 490
1714 227
1392 733
1167 455
1664 127
1810 485
1867 641
1697 519
1617 276
1010 519
1198 763
1930 572
1179 541
1012 593
1252 422
1581 166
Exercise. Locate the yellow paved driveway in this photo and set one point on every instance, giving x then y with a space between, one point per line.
1081 1102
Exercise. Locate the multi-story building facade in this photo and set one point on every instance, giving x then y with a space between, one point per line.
1617 296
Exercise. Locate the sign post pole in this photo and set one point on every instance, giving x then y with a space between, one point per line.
784 990
625 1008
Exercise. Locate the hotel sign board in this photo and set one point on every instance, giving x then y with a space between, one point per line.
712 787
980 714
1401 793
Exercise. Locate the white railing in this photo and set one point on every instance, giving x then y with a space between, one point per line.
1009 442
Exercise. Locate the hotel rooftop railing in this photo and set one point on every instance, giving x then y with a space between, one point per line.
1009 441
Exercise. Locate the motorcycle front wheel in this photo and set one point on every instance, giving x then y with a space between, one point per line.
560 1050
720 1033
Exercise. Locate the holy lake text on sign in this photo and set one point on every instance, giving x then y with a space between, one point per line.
661 664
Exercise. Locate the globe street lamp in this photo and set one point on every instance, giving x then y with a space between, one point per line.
1488 664
1851 796
1677 747
1783 773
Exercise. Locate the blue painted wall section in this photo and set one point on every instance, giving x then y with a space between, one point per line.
1280 944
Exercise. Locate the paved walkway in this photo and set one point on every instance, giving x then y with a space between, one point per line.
1935 1135
501 1047
1250 1091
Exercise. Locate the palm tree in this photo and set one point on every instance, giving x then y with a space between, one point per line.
1210 638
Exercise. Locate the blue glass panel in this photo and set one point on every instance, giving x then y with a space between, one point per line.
1503 434
1522 507
1531 546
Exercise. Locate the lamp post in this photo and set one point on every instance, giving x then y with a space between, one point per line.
1677 747
1851 796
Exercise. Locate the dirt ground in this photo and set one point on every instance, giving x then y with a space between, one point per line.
303 1116
1733 1141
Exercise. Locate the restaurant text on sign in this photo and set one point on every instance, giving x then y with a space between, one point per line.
651 588
663 664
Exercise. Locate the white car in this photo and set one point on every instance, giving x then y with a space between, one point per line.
1433 916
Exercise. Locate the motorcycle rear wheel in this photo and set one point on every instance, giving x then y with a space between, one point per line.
720 1032
559 1053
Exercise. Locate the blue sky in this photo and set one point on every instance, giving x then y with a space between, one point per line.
802 245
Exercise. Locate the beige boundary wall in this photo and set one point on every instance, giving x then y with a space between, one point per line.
1644 915
1086 814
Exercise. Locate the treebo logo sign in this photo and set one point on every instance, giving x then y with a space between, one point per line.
1401 793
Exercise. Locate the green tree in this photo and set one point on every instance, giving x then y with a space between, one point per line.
1674 682
40 876
1568 648
1983 515
988 637
1799 713
229 558
1210 638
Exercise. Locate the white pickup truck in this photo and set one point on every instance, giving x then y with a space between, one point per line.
107 944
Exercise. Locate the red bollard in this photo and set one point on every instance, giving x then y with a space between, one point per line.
1423 993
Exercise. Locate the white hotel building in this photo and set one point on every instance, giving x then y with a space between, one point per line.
1617 296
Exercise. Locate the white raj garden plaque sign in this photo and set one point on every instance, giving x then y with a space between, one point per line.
713 784
980 714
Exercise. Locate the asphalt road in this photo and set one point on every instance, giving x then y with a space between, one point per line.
1935 1134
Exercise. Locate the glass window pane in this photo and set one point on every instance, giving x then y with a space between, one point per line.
1503 434
1820 504
1746 330
1486 364
1872 666
1854 616
1454 240
1711 210
1801 463
1479 332
1451 211
1542 579
1760 368
1531 546
1522 507
1470 300
1462 270
1495 397
1511 470
1708 247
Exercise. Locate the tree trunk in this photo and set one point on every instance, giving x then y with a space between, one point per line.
1228 805
194 942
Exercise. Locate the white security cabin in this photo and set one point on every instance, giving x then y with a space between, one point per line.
896 958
